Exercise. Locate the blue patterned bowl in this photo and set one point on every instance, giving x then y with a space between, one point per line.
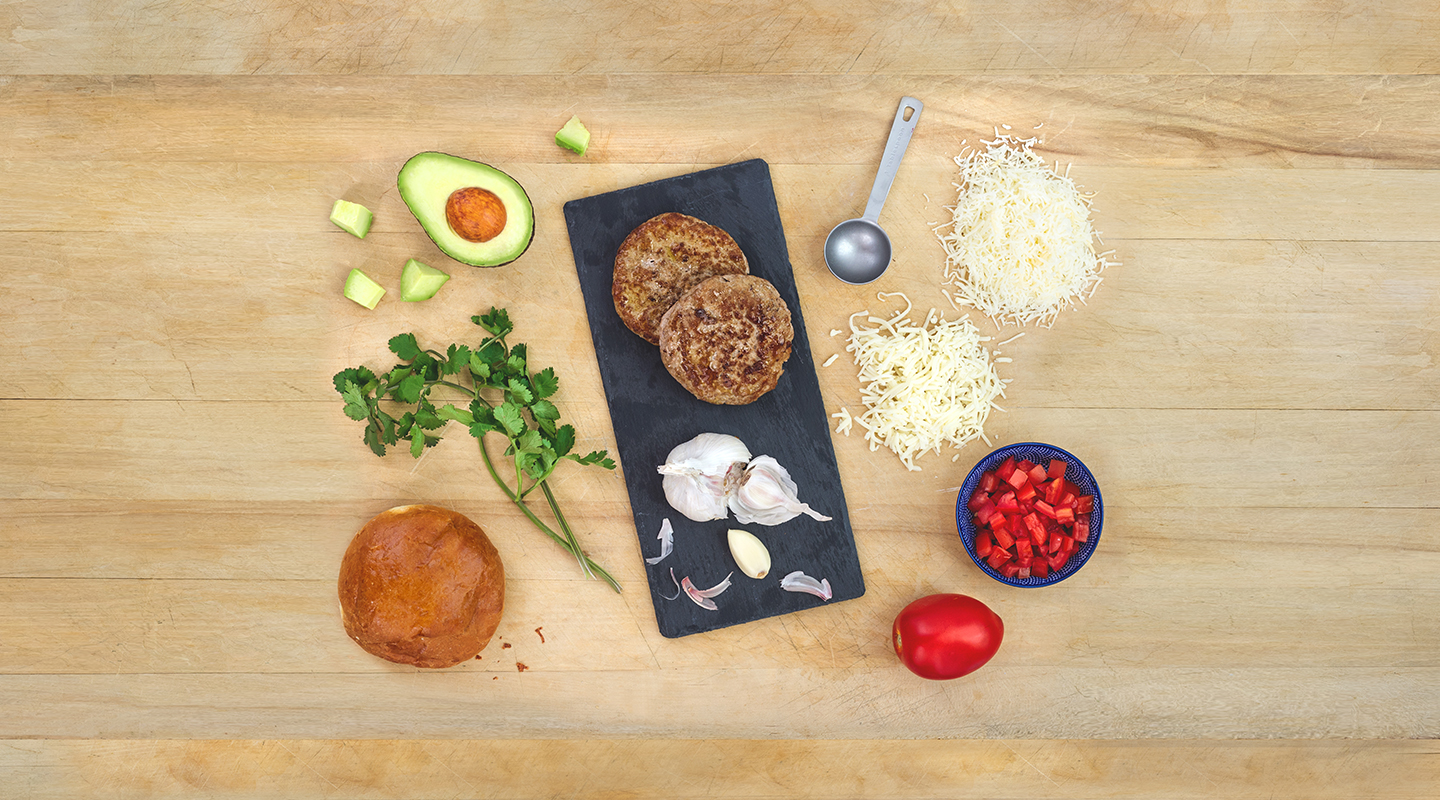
1076 472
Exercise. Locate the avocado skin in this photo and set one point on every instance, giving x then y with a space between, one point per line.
426 182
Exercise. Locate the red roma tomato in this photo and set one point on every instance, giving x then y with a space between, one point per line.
945 636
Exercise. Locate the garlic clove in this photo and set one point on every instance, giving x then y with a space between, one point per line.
749 553
768 496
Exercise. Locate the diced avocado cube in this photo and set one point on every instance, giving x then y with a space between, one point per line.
360 288
573 136
419 281
353 217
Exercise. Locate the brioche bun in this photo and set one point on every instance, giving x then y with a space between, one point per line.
422 585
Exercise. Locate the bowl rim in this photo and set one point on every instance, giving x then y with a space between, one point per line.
964 518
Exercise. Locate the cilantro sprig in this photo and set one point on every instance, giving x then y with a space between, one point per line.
505 398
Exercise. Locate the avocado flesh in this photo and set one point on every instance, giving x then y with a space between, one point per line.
426 182
360 288
574 136
352 217
420 281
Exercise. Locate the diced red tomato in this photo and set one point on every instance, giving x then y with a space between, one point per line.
985 514
1033 524
1031 520
977 499
1003 537
1018 479
1040 536
988 482
1053 490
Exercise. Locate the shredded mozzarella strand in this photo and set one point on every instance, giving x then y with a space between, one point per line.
1020 247
923 386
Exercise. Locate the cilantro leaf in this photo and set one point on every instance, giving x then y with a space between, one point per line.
355 406
545 382
516 361
520 391
564 439
404 425
409 389
496 322
489 353
544 409
387 432
508 415
451 413
405 346
597 457
529 442
372 438
427 418
539 465
356 375
417 441
456 359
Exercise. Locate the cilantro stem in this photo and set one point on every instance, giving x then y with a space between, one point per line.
564 524
591 568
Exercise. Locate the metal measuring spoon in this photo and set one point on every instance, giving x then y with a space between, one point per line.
857 251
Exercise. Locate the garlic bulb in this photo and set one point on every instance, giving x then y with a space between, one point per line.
768 496
701 474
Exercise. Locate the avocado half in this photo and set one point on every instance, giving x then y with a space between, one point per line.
474 213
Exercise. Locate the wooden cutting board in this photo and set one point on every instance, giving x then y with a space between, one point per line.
1255 387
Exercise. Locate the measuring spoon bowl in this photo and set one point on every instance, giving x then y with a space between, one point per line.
857 251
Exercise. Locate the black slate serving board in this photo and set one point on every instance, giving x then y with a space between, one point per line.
652 413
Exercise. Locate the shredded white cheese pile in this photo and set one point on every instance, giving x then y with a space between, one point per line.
923 386
1020 247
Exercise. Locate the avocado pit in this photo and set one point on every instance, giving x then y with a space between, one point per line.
475 214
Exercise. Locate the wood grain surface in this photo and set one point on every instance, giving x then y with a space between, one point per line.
1255 387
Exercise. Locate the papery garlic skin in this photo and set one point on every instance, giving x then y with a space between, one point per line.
701 474
768 496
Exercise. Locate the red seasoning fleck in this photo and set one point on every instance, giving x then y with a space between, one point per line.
505 646
520 667
541 635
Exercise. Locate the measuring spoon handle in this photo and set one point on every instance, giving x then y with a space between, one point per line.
900 131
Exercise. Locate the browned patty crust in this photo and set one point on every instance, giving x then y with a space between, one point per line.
726 340
662 258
